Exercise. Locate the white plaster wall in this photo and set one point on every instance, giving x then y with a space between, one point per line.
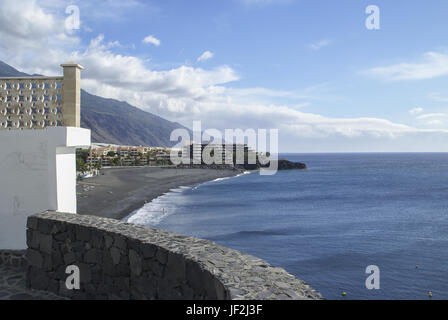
37 173
66 179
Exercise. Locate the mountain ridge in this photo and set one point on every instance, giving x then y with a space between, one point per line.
116 122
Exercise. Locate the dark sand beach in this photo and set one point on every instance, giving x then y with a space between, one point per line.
116 192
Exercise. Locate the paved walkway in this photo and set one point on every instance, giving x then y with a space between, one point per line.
12 286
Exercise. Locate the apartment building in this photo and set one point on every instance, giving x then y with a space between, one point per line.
225 152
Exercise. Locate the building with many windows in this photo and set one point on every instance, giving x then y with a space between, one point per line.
209 153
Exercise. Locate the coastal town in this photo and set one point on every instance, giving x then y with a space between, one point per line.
108 155
102 155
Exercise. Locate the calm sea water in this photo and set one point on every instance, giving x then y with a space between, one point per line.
328 223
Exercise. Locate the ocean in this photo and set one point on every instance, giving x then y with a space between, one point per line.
326 224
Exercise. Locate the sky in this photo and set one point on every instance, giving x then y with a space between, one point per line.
309 68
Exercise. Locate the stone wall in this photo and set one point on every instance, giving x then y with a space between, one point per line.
118 260
13 258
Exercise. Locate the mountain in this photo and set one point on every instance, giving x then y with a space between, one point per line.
116 122
8 71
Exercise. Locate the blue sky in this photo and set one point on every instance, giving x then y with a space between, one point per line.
309 68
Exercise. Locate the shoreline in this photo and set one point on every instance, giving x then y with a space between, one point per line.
176 190
118 192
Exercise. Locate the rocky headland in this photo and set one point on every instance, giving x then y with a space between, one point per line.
283 164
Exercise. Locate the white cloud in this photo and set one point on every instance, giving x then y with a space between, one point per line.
262 92
416 111
206 56
25 20
185 94
32 37
152 40
319 45
431 65
26 26
435 122
431 115
433 119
